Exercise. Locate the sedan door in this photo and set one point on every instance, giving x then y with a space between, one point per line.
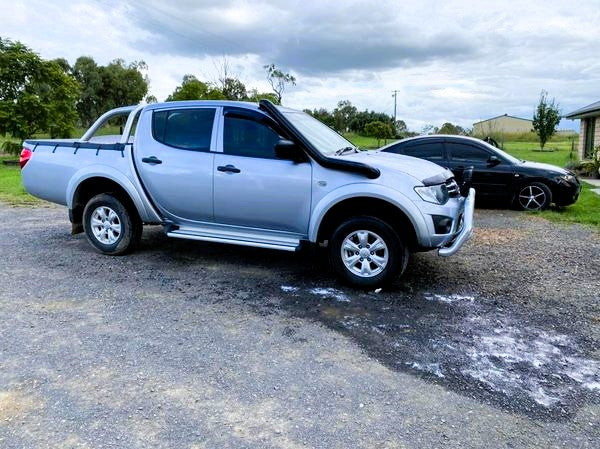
254 188
491 178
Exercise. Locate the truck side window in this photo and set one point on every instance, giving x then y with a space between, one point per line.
247 137
188 129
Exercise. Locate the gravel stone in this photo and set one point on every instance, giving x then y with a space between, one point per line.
192 344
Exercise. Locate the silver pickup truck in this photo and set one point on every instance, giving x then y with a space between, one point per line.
250 174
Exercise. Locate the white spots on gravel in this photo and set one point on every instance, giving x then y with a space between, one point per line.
449 299
329 293
517 361
431 368
323 292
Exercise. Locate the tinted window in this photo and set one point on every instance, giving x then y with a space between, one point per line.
247 137
429 151
189 129
466 153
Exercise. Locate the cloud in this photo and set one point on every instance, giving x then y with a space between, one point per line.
456 60
308 39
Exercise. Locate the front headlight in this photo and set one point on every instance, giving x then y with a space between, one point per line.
567 178
437 194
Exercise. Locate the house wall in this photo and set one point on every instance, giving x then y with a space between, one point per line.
597 134
504 124
581 144
582 136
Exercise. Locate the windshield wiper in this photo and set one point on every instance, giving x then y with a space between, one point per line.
345 150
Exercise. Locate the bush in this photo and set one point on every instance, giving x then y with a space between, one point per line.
11 148
588 168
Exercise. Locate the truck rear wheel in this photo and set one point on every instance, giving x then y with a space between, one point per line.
109 226
366 252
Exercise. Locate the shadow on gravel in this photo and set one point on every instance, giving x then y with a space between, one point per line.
492 350
519 363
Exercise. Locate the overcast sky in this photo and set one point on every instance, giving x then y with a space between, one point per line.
457 61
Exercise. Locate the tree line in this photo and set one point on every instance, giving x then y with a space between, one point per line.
53 97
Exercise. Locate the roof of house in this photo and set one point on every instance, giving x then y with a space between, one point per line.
503 115
586 111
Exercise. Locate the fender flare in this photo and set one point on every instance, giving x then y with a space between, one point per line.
147 214
368 190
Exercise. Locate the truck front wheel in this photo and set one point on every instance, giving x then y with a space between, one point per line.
366 252
109 226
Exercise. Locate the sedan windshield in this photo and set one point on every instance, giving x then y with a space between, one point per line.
322 137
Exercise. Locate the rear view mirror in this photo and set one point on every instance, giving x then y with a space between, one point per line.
493 160
286 149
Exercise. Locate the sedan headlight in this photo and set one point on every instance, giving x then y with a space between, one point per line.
567 178
437 194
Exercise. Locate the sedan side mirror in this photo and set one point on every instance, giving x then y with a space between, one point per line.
286 149
493 161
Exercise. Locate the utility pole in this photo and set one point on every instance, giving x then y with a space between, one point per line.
395 95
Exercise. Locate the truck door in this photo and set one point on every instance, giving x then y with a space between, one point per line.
254 188
175 161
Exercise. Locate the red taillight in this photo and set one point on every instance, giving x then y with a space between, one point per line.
25 156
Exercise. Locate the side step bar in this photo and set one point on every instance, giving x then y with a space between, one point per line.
258 241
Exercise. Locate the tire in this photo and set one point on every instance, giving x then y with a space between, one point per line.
370 270
109 226
533 196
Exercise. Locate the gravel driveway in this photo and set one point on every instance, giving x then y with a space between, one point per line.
196 345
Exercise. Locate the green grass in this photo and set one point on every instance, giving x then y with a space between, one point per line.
364 141
556 153
11 187
585 211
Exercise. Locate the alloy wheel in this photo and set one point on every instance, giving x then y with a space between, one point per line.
532 197
106 225
364 253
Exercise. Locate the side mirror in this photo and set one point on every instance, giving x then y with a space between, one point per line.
286 149
493 161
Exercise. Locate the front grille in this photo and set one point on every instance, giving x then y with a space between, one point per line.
452 186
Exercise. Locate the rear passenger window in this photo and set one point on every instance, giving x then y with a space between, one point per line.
467 153
247 137
429 151
188 129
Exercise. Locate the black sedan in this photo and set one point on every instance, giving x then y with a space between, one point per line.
498 177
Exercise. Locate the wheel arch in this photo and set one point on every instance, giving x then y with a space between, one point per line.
93 182
404 218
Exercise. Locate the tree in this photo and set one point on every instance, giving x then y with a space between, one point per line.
323 115
255 96
343 115
89 75
108 87
379 130
360 119
151 99
234 89
278 80
122 84
449 128
545 118
193 89
35 95
400 128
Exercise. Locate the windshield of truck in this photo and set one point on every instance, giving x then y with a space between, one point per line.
321 136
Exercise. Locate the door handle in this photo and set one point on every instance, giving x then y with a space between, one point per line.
228 168
153 160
